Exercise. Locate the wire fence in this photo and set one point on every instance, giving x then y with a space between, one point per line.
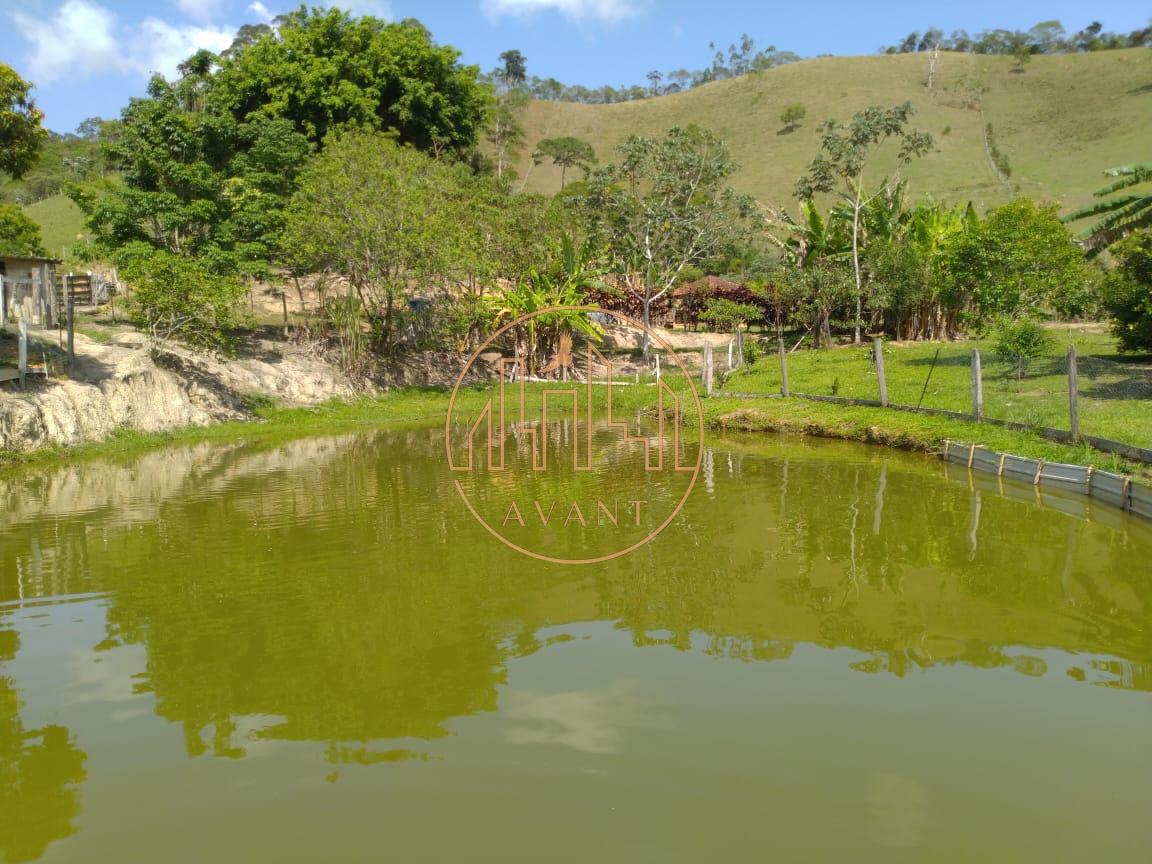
1072 395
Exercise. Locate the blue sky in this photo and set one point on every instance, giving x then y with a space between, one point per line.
87 57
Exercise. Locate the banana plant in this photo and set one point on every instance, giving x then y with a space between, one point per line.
1125 213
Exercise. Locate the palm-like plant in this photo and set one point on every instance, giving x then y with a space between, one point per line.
539 290
1125 213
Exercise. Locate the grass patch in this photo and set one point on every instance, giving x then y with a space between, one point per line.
1115 398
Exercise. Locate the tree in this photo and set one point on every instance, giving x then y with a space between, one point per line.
505 132
21 135
514 71
1019 258
663 206
19 235
654 79
845 150
195 183
324 69
792 116
1128 292
1127 213
383 215
567 152
1023 55
89 128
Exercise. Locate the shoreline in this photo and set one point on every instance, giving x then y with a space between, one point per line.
412 405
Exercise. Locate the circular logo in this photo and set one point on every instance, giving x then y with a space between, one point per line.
576 449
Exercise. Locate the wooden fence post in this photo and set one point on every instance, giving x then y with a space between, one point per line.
70 310
730 344
23 352
3 305
783 366
657 370
739 347
977 387
1073 408
878 350
707 368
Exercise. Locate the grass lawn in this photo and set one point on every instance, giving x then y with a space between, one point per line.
1115 393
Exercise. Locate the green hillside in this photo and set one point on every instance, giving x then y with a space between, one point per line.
1060 122
61 224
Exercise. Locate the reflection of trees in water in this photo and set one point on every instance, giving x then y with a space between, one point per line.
334 589
40 772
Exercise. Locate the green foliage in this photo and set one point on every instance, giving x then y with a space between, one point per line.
1021 340
21 135
176 297
664 206
839 167
324 69
728 315
195 183
19 235
815 294
792 116
1128 292
1125 213
1019 258
567 153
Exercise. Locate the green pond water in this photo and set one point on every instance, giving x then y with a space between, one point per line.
308 650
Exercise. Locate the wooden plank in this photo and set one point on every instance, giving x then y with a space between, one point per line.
783 365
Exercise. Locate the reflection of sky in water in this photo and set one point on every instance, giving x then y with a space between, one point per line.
306 650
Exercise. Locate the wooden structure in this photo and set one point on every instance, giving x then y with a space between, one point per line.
28 291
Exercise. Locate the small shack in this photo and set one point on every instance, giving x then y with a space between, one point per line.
28 290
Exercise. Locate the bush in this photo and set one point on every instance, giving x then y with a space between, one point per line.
174 297
1021 341
19 235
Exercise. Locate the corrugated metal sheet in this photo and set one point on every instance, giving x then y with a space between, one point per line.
1055 482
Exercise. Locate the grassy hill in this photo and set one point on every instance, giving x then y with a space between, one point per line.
61 224
1060 122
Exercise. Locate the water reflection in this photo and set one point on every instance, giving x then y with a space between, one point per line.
334 590
40 773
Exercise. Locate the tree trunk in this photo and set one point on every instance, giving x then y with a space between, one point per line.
856 265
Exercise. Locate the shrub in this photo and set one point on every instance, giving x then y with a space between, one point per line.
726 314
174 297
1020 341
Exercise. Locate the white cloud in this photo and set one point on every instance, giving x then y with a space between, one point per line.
262 12
165 45
79 40
608 11
85 40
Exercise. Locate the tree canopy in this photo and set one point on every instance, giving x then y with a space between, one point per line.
21 135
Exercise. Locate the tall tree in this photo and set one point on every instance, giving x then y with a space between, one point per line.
663 206
513 70
21 135
839 167
324 69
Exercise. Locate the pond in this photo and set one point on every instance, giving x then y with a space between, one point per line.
307 650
